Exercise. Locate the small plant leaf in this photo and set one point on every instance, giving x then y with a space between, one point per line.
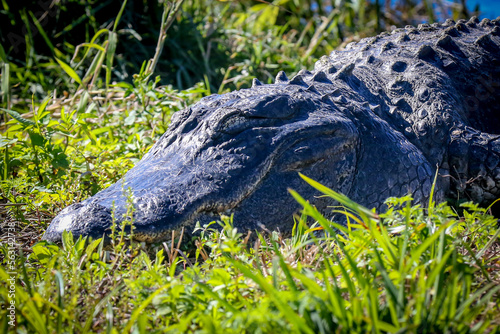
17 116
69 71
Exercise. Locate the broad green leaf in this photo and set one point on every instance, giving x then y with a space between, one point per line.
98 131
52 123
60 160
41 112
83 103
4 141
37 139
208 290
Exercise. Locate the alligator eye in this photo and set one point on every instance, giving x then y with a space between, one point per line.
307 153
236 124
233 124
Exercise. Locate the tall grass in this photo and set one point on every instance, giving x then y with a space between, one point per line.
222 41
405 270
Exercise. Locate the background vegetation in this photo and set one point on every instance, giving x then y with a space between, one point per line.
86 89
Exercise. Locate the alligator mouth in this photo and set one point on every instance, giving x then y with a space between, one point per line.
92 218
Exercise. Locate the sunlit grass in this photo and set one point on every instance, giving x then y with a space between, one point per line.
400 271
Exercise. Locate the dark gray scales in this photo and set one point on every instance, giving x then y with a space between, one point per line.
372 121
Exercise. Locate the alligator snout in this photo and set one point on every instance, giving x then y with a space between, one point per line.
91 220
157 200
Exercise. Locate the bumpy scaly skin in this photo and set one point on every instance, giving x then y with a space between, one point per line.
372 121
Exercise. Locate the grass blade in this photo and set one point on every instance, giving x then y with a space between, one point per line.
344 200
69 71
140 309
119 16
42 32
285 309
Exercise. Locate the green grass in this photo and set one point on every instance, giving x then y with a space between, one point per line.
408 270
72 125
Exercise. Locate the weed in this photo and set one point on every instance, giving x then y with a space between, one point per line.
402 270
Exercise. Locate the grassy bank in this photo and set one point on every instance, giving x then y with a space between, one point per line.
84 97
408 270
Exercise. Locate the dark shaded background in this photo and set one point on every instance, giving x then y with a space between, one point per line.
68 23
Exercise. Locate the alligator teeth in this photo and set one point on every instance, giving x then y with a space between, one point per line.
256 83
281 77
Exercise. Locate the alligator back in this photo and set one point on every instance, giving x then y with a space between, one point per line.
438 86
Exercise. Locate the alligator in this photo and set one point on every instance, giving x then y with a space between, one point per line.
378 119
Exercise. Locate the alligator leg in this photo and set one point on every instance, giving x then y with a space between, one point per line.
475 165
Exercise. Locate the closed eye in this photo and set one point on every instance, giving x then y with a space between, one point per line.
238 123
232 123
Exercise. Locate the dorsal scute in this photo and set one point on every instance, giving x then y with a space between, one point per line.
281 77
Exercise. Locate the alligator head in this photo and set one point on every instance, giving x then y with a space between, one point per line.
233 153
